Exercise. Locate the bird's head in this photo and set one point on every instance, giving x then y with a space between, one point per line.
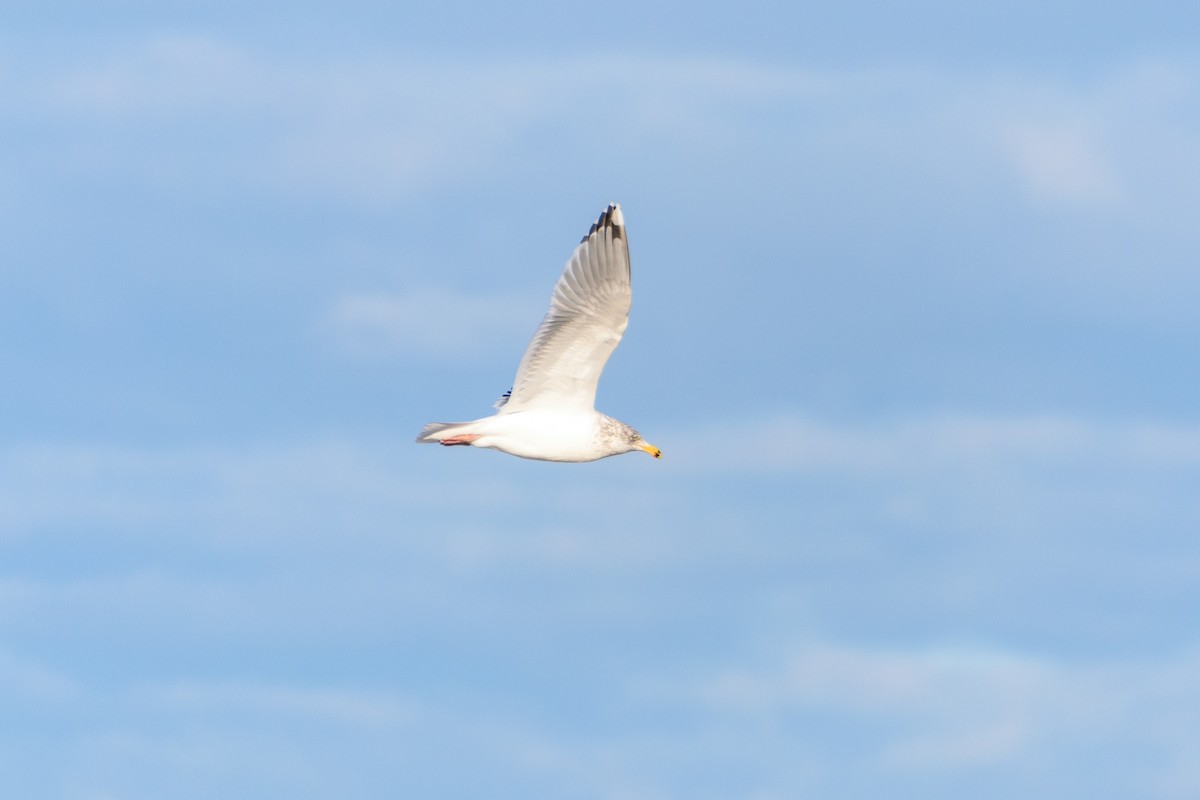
636 442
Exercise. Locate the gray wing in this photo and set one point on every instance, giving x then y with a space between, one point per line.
588 314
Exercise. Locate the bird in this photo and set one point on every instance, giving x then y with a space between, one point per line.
550 413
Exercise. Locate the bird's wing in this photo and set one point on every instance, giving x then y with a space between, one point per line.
588 314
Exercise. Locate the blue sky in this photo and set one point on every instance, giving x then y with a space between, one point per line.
914 325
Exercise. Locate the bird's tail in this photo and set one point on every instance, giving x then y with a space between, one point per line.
435 432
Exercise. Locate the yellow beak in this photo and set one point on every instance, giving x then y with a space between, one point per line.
651 449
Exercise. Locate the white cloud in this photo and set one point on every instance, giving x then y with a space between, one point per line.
259 496
985 744
431 324
951 708
283 489
347 706
377 128
372 128
25 681
875 681
923 711
159 76
1064 164
1121 141
89 485
795 443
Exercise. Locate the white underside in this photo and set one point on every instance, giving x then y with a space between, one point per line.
542 435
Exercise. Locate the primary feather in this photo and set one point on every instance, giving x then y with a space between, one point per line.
588 313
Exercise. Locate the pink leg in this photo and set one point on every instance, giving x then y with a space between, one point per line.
462 438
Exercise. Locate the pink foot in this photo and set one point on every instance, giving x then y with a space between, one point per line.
462 438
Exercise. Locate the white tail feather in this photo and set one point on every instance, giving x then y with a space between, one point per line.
434 432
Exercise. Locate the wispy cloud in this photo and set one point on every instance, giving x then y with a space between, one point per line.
972 478
431 324
1064 165
226 491
967 707
1120 141
378 128
353 520
347 706
375 128
25 681
795 443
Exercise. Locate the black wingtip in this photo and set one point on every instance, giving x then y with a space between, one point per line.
611 217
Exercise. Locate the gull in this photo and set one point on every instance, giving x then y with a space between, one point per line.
550 413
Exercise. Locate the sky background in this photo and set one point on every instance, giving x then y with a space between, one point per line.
915 325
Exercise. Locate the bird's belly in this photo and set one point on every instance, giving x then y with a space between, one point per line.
543 436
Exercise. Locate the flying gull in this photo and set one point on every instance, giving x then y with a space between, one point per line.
549 413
